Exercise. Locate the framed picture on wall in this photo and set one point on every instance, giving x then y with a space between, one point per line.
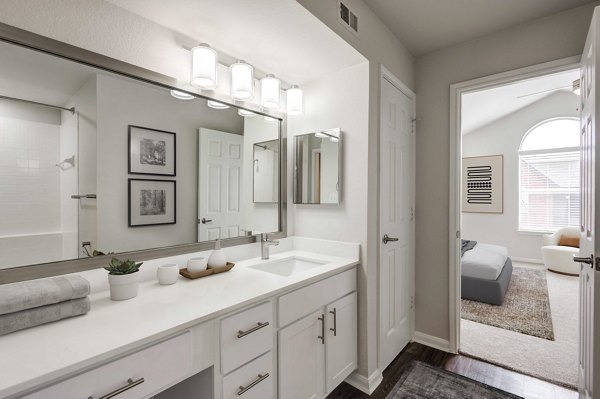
151 151
152 202
482 184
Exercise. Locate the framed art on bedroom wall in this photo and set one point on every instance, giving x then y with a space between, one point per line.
482 184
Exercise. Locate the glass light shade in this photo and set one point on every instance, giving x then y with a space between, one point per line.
294 101
270 119
242 81
245 113
181 95
204 66
269 91
216 105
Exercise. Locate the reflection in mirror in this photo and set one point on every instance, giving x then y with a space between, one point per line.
266 162
132 168
317 167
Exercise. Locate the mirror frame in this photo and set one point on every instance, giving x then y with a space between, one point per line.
23 38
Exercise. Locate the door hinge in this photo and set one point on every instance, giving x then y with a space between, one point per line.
412 301
457 233
412 213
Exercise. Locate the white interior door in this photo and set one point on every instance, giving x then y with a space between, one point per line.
589 345
396 220
220 184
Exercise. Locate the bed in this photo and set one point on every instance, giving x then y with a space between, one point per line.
486 270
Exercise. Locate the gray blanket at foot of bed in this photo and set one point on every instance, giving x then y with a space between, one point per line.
487 291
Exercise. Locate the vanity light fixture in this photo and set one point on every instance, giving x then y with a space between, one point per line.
270 119
269 91
321 135
294 101
216 104
242 81
577 87
204 66
246 113
181 95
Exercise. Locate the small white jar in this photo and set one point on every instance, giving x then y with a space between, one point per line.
196 264
167 274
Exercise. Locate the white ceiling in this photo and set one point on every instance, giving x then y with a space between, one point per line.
428 25
276 36
483 107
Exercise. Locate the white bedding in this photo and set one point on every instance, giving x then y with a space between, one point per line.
484 261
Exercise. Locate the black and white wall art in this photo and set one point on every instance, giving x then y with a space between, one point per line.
482 184
151 202
151 151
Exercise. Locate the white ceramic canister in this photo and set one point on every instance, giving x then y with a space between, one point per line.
196 264
167 274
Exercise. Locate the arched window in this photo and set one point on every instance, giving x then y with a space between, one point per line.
549 176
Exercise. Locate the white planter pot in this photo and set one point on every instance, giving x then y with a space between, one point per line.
123 286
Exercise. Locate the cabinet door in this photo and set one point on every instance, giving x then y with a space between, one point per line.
301 358
341 340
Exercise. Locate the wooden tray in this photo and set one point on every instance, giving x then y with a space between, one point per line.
187 274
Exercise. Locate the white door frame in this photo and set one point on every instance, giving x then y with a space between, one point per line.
391 78
456 92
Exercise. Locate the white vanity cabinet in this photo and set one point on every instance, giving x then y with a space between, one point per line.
318 351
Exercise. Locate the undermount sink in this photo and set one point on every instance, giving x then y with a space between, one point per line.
288 266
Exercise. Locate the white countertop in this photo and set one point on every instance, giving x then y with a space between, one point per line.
36 356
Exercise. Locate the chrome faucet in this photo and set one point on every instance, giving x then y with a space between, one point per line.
265 243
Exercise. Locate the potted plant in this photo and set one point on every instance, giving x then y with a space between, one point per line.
123 279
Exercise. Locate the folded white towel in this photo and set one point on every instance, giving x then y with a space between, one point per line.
35 293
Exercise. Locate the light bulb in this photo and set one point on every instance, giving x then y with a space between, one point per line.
216 104
181 95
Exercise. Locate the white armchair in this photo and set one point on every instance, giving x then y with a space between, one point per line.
558 258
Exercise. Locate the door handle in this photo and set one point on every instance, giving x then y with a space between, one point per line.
387 239
204 221
589 260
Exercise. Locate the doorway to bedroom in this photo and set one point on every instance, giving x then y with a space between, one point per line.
519 225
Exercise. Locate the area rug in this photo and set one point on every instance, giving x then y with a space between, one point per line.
423 381
526 307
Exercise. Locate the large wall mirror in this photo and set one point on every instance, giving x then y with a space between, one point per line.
117 164
317 167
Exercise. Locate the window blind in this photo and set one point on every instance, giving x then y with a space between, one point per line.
548 191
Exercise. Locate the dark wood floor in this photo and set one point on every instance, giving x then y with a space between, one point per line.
507 380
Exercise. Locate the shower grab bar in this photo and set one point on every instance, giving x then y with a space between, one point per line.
76 196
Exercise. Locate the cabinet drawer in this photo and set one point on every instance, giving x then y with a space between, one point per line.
158 366
253 381
301 302
245 336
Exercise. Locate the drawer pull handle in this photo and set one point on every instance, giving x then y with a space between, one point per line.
322 336
258 380
334 329
130 384
259 325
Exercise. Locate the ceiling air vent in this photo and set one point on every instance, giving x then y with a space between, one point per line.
347 17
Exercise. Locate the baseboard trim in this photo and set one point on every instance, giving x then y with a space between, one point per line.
430 340
364 384
528 260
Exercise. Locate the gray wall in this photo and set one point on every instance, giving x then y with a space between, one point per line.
546 39
122 102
